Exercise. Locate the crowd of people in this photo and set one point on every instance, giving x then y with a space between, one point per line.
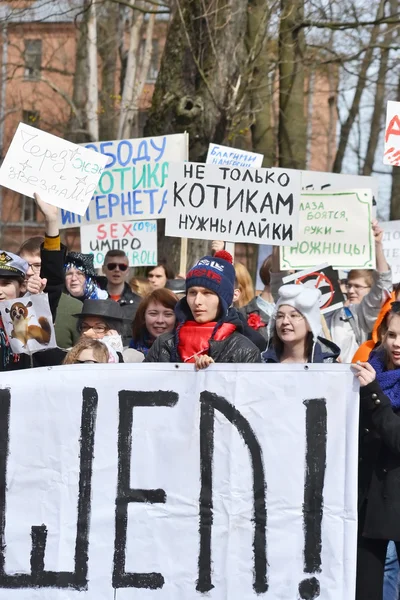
213 315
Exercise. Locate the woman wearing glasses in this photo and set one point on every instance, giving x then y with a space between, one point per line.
102 320
294 329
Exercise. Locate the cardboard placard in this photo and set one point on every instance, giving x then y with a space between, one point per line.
134 182
326 280
257 206
28 323
138 239
335 227
62 173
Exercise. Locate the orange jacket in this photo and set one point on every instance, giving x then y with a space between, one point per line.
366 348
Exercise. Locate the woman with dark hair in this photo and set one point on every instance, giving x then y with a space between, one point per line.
379 468
158 276
154 316
294 329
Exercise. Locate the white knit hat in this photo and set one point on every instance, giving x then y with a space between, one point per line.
305 300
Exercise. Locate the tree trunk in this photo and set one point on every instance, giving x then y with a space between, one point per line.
108 40
378 111
141 77
260 92
199 73
362 78
124 123
292 134
92 80
77 126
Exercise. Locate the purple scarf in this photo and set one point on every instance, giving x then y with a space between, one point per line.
388 380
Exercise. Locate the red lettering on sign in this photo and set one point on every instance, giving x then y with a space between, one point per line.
393 128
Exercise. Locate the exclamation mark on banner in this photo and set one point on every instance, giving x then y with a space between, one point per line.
313 506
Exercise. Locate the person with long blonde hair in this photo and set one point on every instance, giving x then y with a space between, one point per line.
87 351
244 288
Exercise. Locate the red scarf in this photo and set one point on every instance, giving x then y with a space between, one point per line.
194 338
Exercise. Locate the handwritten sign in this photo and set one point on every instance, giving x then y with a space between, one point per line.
63 173
391 247
133 184
392 135
148 482
325 279
138 239
209 202
232 157
318 181
336 228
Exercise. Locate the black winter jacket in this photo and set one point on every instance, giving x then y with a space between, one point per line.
236 348
379 465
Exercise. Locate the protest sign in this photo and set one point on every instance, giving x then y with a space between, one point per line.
326 280
392 135
391 247
133 184
232 157
335 227
62 173
28 323
231 204
317 181
156 481
138 239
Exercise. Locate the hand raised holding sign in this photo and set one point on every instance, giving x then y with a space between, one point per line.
50 214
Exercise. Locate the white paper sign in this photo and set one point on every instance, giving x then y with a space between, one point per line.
61 172
134 182
233 157
316 181
257 206
28 323
391 246
335 228
138 239
392 135
150 481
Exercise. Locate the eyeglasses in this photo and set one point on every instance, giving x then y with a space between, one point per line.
84 328
35 267
112 266
86 362
77 274
293 317
356 286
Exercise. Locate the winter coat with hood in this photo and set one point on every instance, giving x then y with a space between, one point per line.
324 351
235 348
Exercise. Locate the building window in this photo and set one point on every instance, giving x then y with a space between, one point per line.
33 59
28 210
153 67
31 117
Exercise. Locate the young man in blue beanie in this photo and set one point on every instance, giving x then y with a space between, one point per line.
208 329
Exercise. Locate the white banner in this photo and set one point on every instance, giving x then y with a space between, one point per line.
133 184
233 157
336 228
138 239
317 181
61 172
391 247
257 206
157 482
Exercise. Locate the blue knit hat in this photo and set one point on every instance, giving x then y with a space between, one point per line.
216 273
